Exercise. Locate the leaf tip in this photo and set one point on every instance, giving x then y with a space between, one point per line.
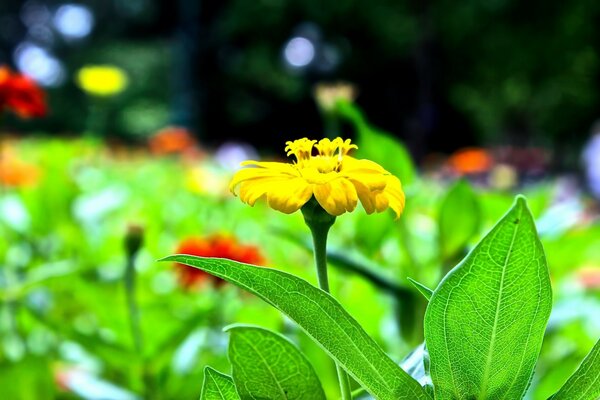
520 200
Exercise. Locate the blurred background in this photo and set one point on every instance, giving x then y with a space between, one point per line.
437 74
122 122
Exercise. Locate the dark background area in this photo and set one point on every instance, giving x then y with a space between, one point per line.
438 74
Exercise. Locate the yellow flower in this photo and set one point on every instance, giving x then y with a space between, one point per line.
102 80
336 180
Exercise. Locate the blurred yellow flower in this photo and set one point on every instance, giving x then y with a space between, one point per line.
102 80
327 95
336 180
206 180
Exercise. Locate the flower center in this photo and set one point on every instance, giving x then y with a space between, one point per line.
329 153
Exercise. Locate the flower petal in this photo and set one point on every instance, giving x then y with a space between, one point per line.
366 172
264 170
253 189
337 196
365 195
289 195
395 195
381 201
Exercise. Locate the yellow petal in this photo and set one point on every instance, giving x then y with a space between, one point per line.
253 189
381 201
366 172
289 195
275 166
365 195
264 170
395 195
352 165
337 196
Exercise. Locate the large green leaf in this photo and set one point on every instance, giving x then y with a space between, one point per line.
459 219
265 365
217 386
584 384
485 322
324 319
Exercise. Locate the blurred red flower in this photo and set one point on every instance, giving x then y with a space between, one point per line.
21 95
213 246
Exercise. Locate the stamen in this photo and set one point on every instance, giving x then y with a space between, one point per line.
301 148
345 147
327 147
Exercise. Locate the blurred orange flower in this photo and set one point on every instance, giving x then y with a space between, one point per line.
16 173
21 95
172 140
213 246
471 160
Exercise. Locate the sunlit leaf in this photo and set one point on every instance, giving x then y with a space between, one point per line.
324 319
265 365
485 322
217 386
584 384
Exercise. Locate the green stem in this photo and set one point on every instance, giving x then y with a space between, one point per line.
319 223
132 306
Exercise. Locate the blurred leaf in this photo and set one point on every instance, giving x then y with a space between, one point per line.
500 295
459 220
265 365
29 379
324 319
217 386
584 384
379 146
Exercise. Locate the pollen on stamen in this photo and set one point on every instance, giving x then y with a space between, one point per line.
346 146
301 148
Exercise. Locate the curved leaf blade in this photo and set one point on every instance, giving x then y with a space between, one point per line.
266 365
217 386
323 319
584 384
485 322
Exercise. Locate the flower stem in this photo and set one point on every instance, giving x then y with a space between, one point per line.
319 223
132 306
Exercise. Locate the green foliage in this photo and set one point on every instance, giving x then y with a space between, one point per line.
62 301
323 318
266 365
484 327
485 322
584 384
459 220
376 145
217 386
